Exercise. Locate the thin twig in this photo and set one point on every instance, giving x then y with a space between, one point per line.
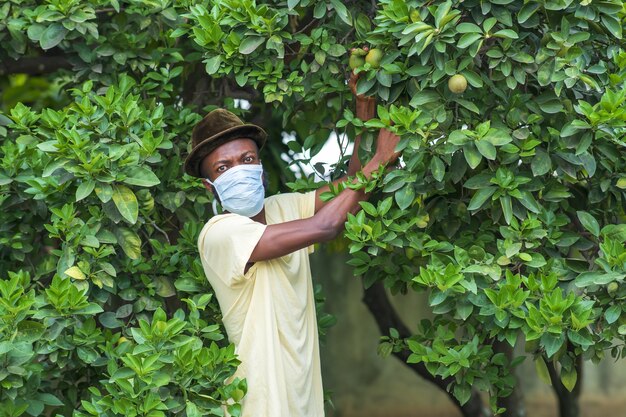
167 238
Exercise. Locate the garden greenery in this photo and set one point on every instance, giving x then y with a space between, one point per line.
509 212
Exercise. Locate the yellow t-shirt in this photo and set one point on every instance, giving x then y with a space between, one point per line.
268 312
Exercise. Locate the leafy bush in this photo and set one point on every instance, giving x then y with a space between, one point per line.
509 212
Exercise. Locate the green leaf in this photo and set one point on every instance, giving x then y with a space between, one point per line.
486 149
613 25
49 399
507 210
250 44
612 313
462 393
368 208
468 105
52 36
164 287
75 273
527 11
497 137
479 197
404 196
84 189
468 39
342 11
213 64
384 78
337 50
506 33
130 242
472 156
104 192
541 163
192 410
109 321
552 343
542 370
126 202
141 176
437 168
568 378
467 27
589 222
528 201
597 278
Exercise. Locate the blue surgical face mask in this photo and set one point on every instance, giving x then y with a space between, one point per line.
240 189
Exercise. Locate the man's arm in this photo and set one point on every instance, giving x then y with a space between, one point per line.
284 238
365 110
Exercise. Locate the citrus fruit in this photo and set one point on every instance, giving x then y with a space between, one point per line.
457 84
373 57
356 61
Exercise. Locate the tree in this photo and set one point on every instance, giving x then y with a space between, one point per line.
509 211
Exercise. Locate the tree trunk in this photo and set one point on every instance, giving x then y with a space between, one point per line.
514 403
568 401
376 300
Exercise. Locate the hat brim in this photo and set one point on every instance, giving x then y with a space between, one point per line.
208 145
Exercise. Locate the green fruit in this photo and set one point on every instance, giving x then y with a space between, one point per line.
410 253
359 52
457 84
612 288
373 57
356 61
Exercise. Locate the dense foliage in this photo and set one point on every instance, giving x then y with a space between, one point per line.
509 212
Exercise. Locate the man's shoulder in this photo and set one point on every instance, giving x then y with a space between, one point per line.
222 221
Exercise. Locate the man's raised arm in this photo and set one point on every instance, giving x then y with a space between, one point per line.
284 238
365 110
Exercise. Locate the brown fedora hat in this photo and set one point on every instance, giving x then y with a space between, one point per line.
215 129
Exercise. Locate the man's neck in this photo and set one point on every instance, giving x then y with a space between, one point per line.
260 217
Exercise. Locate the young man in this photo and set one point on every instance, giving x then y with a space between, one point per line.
256 258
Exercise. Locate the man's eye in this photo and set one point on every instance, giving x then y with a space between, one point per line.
221 168
248 159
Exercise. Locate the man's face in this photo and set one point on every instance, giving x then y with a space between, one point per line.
232 153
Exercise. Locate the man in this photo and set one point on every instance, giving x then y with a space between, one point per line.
256 258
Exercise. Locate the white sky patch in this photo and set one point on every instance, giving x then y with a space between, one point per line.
328 156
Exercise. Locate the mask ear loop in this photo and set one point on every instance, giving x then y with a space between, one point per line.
214 203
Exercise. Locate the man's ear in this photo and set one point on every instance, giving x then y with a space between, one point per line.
207 185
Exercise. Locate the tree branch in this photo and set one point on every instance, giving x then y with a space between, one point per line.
376 300
34 65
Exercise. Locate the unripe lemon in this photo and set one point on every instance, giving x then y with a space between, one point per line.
612 288
373 57
121 340
356 61
457 84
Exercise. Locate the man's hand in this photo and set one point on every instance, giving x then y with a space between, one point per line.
386 148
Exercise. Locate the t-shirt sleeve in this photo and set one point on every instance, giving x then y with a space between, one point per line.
307 209
227 244
306 204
